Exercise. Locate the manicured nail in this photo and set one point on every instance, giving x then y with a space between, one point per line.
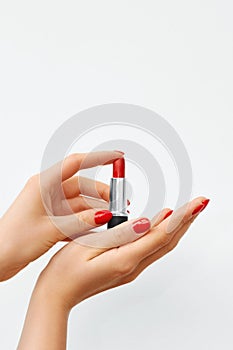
128 211
102 217
141 225
205 203
168 214
201 206
115 150
198 209
128 202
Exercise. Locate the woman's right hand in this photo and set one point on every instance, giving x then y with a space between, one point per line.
52 206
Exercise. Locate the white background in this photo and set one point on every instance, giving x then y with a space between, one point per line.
175 57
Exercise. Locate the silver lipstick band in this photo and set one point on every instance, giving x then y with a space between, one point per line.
118 201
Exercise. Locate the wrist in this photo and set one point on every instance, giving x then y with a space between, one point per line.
45 295
46 322
51 286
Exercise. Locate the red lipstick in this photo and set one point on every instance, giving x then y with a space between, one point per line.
119 168
118 201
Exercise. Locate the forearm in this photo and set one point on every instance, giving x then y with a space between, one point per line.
45 327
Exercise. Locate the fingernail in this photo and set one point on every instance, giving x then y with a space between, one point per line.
168 214
128 202
205 203
102 217
198 209
115 150
141 225
128 211
201 206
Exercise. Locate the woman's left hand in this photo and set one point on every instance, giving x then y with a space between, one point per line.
77 272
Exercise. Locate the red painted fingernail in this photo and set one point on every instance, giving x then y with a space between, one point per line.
128 202
205 203
201 206
128 211
198 209
141 225
168 214
102 217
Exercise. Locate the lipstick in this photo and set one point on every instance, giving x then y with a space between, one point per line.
118 201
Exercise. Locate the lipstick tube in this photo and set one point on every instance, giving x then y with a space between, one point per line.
118 201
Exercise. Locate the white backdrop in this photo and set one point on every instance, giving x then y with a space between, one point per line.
175 57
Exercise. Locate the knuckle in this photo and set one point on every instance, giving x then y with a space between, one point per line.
183 220
72 159
33 180
165 239
73 156
82 220
123 268
118 237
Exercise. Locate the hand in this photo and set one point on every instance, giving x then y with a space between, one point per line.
77 272
43 213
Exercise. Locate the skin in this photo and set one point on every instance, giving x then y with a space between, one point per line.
77 272
28 231
62 206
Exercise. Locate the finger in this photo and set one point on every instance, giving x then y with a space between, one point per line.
184 214
76 224
63 170
162 234
157 255
77 185
119 235
162 215
124 268
78 161
81 203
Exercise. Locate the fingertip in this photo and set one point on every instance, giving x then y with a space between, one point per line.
119 152
200 199
168 213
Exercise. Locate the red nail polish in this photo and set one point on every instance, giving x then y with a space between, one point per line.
205 203
168 214
198 209
128 202
102 217
141 225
